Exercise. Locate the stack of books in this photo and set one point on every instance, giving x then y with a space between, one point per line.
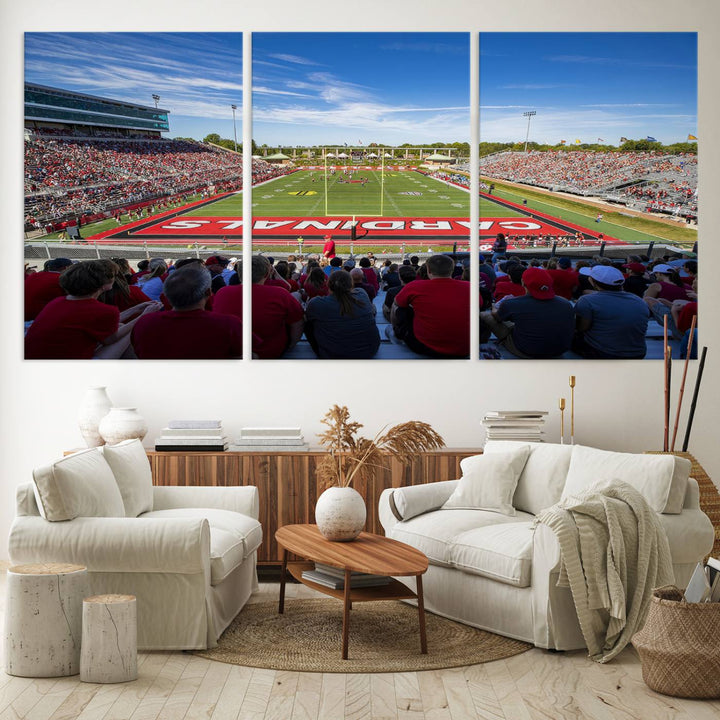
518 425
262 439
192 436
332 577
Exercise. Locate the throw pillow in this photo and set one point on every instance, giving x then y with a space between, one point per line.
542 480
488 482
79 485
660 479
131 468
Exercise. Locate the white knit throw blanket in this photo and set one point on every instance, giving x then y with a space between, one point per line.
614 552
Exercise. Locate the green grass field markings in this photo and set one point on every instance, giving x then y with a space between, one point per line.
643 226
577 218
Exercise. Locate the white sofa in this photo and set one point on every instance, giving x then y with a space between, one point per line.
493 570
187 553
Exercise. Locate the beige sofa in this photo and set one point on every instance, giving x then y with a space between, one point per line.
187 553
492 569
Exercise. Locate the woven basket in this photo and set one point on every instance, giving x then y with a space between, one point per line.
680 646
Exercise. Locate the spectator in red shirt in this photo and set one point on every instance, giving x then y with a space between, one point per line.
438 324
371 276
42 287
329 247
78 326
511 285
122 295
277 316
565 279
188 331
316 284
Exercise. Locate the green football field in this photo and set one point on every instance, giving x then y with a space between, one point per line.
303 193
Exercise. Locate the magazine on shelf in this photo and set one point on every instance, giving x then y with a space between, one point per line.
338 583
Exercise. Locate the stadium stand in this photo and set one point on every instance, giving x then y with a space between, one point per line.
88 157
645 181
67 178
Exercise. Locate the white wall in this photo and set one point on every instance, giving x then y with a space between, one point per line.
619 405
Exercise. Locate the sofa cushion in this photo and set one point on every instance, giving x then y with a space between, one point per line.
131 468
79 485
434 533
244 530
488 482
501 552
660 479
226 553
542 480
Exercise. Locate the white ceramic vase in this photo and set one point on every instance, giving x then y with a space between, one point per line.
340 514
122 424
96 405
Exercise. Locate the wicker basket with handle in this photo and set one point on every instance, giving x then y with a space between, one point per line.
680 646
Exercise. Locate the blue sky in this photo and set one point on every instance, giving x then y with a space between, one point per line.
588 85
338 88
197 75
392 88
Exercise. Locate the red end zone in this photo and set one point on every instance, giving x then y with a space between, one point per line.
287 230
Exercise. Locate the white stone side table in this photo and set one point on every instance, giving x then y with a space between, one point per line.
43 619
109 639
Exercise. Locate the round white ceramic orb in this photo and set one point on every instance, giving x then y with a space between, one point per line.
122 424
340 514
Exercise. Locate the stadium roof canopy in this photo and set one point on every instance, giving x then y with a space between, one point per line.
44 104
437 156
277 156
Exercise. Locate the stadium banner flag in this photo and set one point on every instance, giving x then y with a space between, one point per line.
600 140
651 139
577 142
691 137
562 142
624 140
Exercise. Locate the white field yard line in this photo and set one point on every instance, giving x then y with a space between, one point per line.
396 207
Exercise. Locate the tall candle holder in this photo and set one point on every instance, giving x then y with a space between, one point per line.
561 405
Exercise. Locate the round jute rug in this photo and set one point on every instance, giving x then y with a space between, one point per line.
384 637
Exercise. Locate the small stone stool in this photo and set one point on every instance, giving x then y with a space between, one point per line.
43 619
109 639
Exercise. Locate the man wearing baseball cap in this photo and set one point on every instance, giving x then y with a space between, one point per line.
329 247
611 323
538 324
636 282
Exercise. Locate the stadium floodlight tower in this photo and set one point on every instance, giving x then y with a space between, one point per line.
234 108
529 114
156 98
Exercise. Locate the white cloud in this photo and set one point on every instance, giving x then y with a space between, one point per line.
295 59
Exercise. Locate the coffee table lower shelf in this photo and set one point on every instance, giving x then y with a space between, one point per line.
394 590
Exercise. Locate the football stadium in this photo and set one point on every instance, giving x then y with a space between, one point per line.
357 250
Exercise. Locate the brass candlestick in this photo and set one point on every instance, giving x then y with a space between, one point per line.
561 405
572 409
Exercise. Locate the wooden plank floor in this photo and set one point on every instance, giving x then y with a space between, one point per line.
536 685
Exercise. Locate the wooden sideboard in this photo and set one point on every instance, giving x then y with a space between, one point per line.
287 485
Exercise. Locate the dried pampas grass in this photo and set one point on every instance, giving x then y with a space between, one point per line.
352 457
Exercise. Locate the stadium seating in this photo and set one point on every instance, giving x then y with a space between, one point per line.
68 177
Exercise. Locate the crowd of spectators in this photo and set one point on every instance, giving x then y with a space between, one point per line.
67 178
596 309
193 309
585 172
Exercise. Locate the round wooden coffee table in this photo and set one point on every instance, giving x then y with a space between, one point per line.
368 553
